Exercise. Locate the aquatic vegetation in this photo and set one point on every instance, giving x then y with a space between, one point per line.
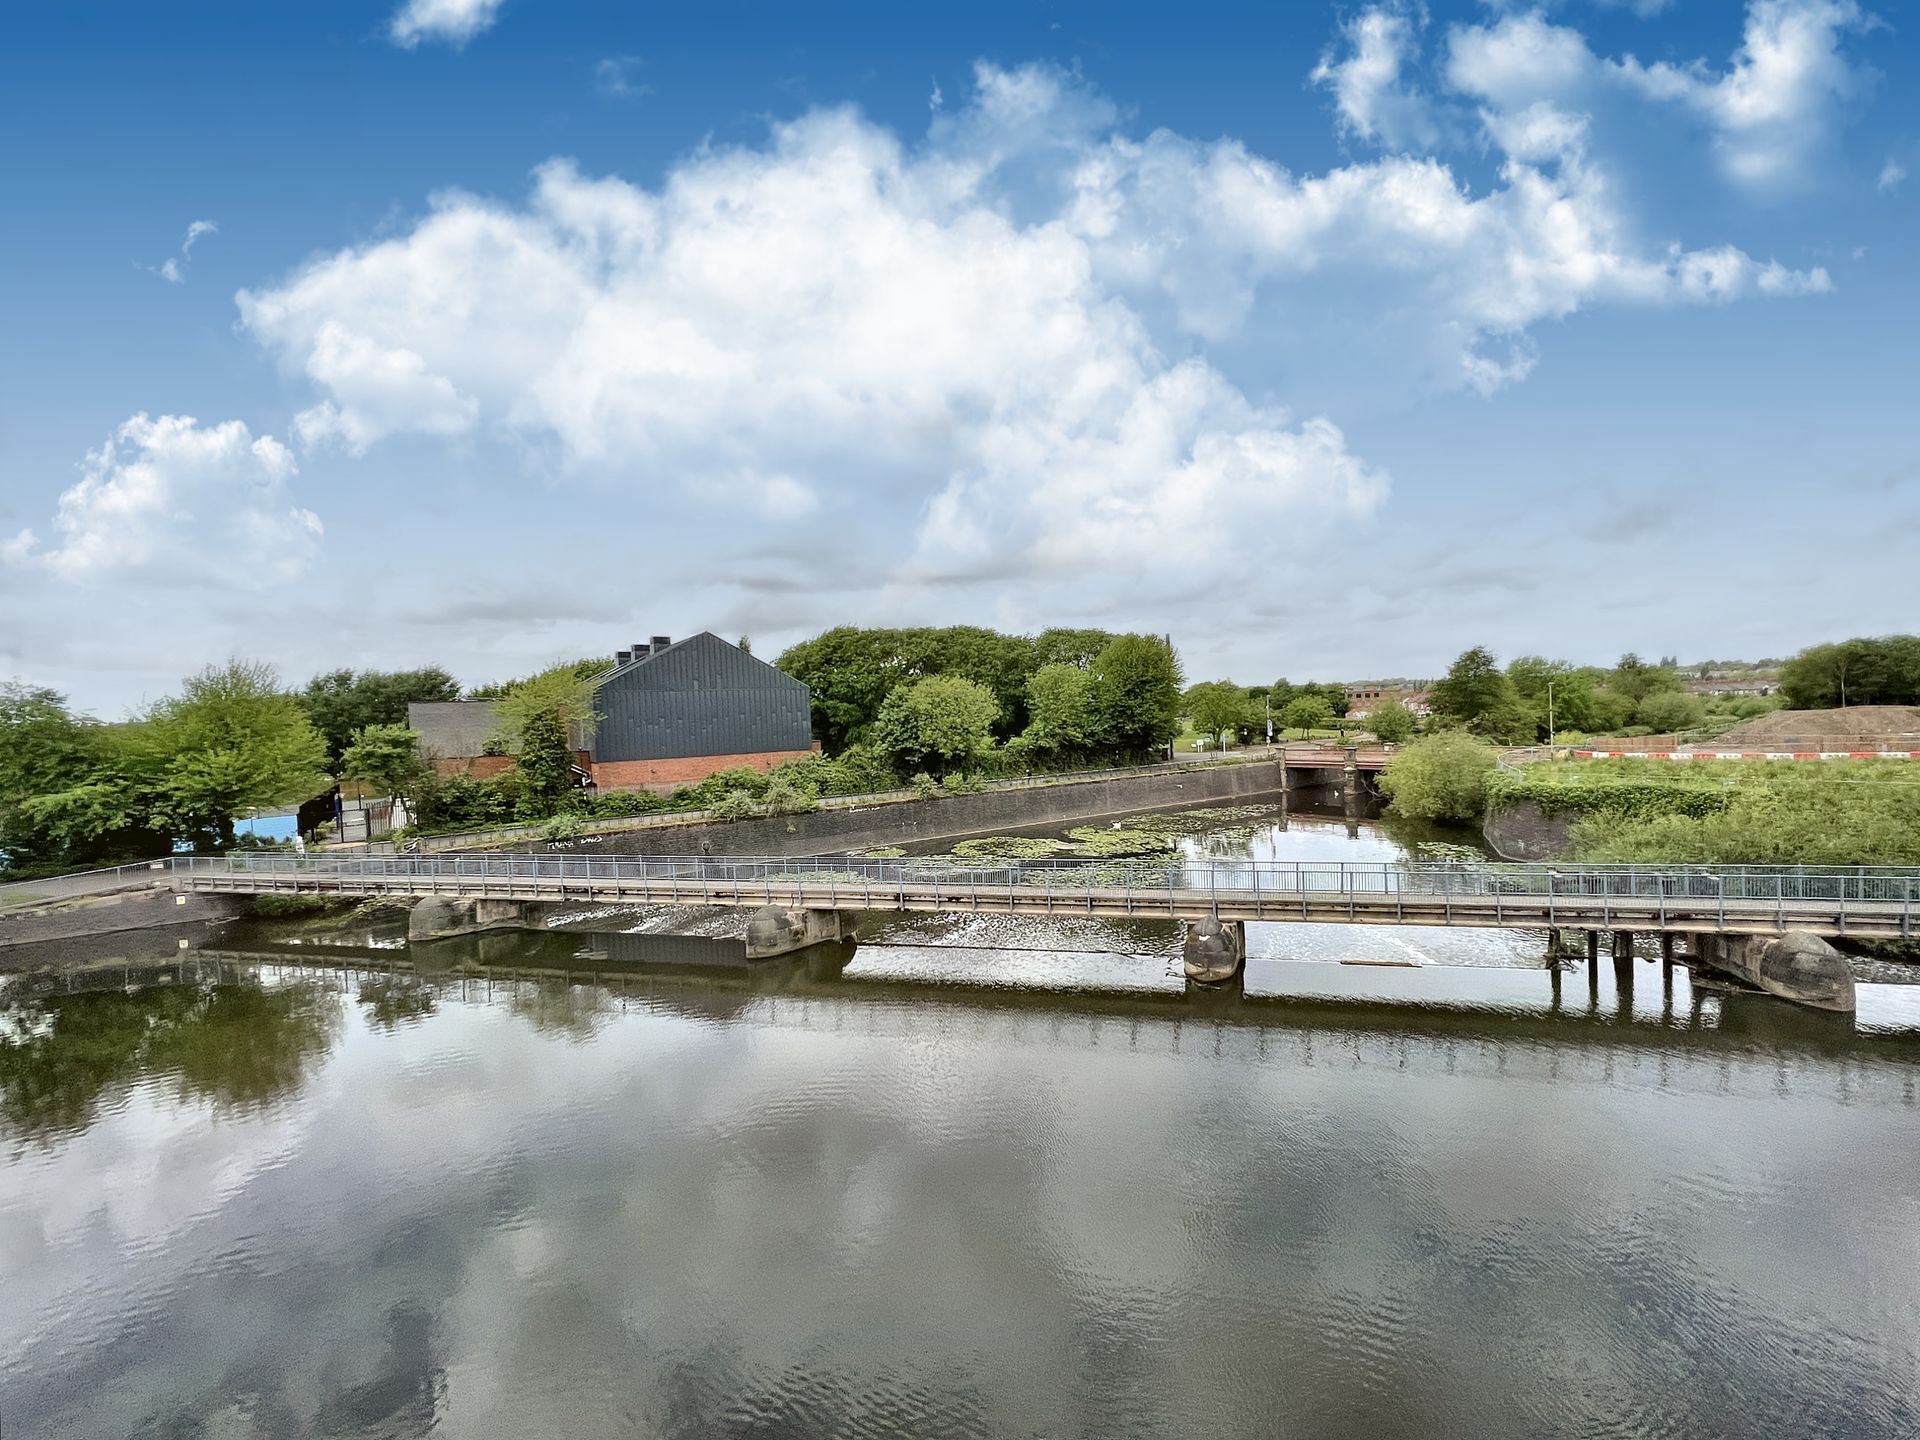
1098 843
1011 847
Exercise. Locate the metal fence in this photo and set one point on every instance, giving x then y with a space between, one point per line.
1836 885
81 882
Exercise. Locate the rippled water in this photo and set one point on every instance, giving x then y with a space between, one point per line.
606 1184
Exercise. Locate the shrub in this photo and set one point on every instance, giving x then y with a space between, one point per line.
737 805
562 828
924 786
1442 777
786 797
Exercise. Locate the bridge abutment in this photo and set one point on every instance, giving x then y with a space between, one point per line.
1215 950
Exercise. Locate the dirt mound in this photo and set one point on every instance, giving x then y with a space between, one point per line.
1857 722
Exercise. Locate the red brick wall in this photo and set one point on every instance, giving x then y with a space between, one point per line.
671 774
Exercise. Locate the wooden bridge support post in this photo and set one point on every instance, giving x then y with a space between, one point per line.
1593 947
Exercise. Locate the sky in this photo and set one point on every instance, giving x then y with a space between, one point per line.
1329 341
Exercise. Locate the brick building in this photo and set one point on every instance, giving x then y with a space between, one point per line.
671 715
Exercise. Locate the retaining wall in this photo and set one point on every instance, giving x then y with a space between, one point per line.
1522 831
827 831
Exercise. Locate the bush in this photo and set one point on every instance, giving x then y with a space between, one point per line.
969 784
1442 777
562 828
924 786
737 805
786 797
623 804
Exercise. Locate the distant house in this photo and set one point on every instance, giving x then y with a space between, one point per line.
1750 685
1362 698
671 715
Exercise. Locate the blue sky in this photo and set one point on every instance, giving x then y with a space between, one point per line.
1329 340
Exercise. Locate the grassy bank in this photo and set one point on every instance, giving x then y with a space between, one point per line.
1836 812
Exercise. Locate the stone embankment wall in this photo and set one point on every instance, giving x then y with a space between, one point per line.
829 831
110 914
1522 831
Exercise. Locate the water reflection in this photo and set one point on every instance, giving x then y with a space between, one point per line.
214 1034
611 1185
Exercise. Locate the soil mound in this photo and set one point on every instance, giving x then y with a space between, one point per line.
1856 722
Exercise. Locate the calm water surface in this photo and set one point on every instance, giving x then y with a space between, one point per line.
608 1184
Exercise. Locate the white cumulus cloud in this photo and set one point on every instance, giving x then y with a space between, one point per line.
452 22
997 333
171 500
1771 110
1374 99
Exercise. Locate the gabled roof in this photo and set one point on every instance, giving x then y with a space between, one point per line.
676 660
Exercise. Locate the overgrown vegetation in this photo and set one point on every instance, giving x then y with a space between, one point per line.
1440 777
1832 812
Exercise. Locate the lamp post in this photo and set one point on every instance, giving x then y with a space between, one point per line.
1551 732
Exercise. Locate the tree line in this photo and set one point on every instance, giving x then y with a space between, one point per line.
940 700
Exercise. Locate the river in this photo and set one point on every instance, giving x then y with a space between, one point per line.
969 1179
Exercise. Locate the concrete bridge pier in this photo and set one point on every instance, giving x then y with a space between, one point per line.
437 917
775 931
1216 950
1793 965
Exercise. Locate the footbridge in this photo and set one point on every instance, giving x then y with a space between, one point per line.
1859 902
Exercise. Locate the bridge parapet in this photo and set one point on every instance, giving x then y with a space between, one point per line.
1830 901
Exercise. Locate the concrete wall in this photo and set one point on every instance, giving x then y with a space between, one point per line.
827 831
1521 831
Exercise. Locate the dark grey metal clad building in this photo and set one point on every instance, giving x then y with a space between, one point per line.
671 714
701 697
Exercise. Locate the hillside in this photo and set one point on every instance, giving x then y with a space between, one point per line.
1858 720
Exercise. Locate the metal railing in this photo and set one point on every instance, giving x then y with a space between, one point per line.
1888 896
79 882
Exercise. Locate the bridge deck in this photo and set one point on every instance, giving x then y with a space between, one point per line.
1864 903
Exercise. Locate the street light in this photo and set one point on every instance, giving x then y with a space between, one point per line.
1550 730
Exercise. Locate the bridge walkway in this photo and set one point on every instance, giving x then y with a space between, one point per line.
1860 902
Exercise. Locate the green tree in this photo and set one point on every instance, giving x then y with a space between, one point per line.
44 749
1060 711
1392 722
1136 681
1306 712
1218 708
941 723
343 702
561 695
1636 679
1440 777
231 742
387 757
1882 671
545 760
1670 710
1473 686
